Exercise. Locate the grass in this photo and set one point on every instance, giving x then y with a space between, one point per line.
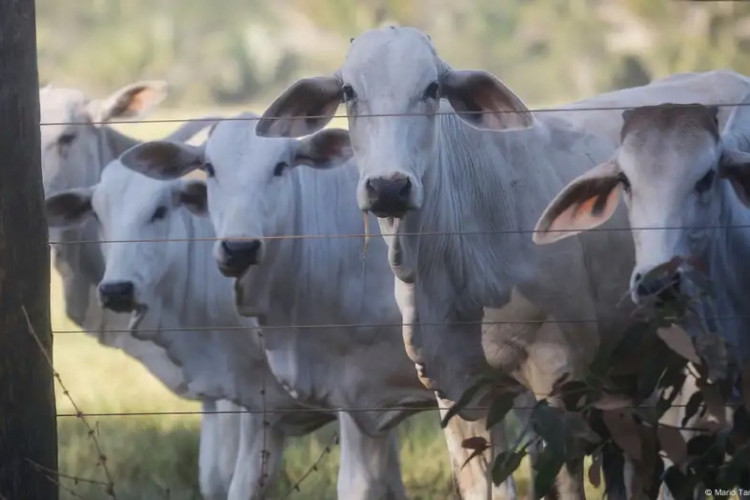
155 457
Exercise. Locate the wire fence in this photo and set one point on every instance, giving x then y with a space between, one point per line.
581 109
264 410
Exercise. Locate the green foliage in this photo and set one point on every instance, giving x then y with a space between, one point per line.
620 402
232 51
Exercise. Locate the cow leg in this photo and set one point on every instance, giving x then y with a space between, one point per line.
209 477
370 467
474 481
230 436
247 481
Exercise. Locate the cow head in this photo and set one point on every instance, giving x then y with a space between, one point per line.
669 170
73 141
134 214
394 73
251 193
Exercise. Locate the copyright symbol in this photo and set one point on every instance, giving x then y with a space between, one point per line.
707 492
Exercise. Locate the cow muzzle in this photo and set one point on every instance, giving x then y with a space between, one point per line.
659 290
234 257
389 196
118 296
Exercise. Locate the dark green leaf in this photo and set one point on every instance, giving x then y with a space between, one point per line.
465 399
506 463
499 408
692 406
548 423
546 468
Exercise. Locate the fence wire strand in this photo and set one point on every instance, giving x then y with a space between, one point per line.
581 109
55 476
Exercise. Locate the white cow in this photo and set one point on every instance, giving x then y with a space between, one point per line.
76 143
430 165
171 285
258 190
683 175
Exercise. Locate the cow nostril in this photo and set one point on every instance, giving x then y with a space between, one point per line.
638 277
370 186
253 246
406 189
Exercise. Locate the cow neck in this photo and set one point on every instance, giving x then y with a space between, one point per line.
481 182
727 255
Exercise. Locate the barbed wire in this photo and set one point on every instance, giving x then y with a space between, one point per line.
314 467
401 234
219 329
101 457
410 408
390 115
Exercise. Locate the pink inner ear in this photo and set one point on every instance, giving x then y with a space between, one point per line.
580 216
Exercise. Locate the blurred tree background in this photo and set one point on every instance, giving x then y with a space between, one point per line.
229 52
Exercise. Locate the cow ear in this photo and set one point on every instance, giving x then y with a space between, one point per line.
163 160
69 208
484 102
587 202
327 149
194 197
130 101
305 107
734 165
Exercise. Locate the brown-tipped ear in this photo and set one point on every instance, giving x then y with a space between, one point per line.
304 108
130 101
484 102
163 160
69 208
587 202
327 149
734 165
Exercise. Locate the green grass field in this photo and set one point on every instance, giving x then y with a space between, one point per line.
155 457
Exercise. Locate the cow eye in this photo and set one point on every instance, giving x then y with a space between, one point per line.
278 170
705 182
159 214
209 168
431 92
66 139
625 181
349 94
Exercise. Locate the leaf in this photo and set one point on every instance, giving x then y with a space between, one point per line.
692 407
561 381
499 408
476 443
714 403
624 432
595 470
679 341
506 462
673 444
549 463
549 425
746 386
572 393
612 402
466 397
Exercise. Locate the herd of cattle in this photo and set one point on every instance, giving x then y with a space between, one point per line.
233 272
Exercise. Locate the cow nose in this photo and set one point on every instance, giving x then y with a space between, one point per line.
663 288
389 196
238 255
118 296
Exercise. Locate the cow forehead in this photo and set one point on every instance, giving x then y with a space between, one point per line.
400 56
692 120
234 147
123 191
60 105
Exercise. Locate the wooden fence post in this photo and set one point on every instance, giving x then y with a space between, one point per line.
28 433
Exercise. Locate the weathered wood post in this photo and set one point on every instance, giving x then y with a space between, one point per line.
28 434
